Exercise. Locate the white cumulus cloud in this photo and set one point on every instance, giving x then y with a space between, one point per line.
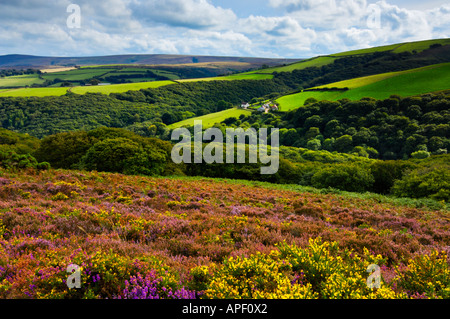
195 14
282 28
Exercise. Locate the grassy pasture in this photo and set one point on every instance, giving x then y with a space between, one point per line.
376 86
136 71
325 60
101 66
119 88
425 80
396 48
314 62
420 46
294 101
37 92
366 80
167 74
243 76
77 75
406 83
20 80
104 71
368 50
249 77
211 119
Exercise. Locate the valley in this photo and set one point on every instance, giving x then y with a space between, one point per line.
87 177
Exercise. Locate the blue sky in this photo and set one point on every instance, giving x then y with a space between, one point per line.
257 7
261 28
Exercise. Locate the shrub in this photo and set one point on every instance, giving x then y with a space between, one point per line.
346 177
432 182
335 273
122 155
385 173
420 155
64 150
259 276
151 286
12 160
321 270
427 274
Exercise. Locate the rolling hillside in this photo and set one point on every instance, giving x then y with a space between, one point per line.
419 46
29 61
211 119
405 83
308 73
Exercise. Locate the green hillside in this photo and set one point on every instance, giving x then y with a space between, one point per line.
77 75
418 46
314 62
405 83
20 80
243 76
309 73
211 119
119 88
325 60
38 92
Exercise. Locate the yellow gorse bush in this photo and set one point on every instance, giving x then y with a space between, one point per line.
257 277
326 272
426 274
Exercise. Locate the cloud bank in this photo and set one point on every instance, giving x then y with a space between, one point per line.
289 28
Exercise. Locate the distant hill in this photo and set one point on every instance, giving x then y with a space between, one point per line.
292 83
30 61
417 48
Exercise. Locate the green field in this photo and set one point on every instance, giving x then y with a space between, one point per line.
325 60
101 72
234 77
396 48
20 80
167 74
366 80
211 119
102 66
420 46
119 88
77 75
38 92
294 101
248 77
425 80
406 83
368 50
377 86
139 71
314 62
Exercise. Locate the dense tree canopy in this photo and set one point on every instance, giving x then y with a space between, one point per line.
375 128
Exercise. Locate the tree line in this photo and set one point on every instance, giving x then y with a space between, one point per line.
121 151
41 116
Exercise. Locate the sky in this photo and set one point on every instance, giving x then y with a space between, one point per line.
251 28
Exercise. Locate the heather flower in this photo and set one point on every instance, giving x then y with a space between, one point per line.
150 287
